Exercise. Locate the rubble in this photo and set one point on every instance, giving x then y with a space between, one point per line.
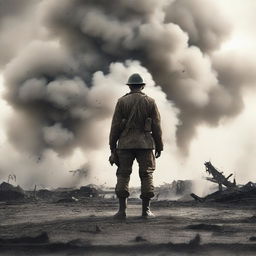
252 239
140 239
251 219
44 194
90 190
9 192
195 241
228 192
69 195
174 190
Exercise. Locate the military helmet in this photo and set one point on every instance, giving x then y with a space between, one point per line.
135 79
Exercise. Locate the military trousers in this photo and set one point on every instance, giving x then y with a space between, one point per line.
146 162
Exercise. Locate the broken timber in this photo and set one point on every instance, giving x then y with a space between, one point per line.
218 177
231 193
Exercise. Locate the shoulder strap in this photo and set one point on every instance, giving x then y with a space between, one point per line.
132 113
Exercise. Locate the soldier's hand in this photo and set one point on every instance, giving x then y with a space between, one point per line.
157 154
112 159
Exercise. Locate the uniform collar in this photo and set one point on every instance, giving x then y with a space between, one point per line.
135 91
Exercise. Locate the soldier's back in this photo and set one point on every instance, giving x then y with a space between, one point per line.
143 105
136 107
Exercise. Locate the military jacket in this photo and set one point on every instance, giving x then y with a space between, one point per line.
136 123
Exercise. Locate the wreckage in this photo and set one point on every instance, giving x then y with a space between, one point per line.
231 191
218 177
9 192
178 189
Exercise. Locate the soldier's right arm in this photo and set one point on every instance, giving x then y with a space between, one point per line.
115 126
156 128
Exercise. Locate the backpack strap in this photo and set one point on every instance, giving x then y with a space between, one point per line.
132 113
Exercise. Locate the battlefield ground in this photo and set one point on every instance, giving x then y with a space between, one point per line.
86 227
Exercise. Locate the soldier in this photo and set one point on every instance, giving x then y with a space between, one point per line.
135 132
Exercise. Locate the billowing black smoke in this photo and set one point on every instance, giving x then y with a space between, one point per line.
49 72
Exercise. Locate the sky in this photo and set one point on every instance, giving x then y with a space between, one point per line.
243 19
229 144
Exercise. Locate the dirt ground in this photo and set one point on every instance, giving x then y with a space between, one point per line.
87 228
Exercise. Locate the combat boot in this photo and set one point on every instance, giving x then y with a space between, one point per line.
121 214
146 213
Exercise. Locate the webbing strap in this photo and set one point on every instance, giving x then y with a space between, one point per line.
132 113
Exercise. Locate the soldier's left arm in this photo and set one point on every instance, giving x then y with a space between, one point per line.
115 127
156 128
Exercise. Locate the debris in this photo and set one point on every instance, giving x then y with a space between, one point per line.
252 238
139 239
44 194
34 193
197 198
10 192
251 219
81 172
89 190
232 193
195 241
174 190
218 177
74 199
97 229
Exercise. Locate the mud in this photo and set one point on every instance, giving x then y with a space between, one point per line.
87 228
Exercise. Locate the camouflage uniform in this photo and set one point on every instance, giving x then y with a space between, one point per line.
135 132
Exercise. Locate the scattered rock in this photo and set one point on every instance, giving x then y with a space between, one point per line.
195 241
140 239
252 238
251 219
75 199
90 190
97 229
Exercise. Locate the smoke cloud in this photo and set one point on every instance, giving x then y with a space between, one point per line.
66 64
206 30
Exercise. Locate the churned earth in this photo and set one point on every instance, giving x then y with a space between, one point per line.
86 227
